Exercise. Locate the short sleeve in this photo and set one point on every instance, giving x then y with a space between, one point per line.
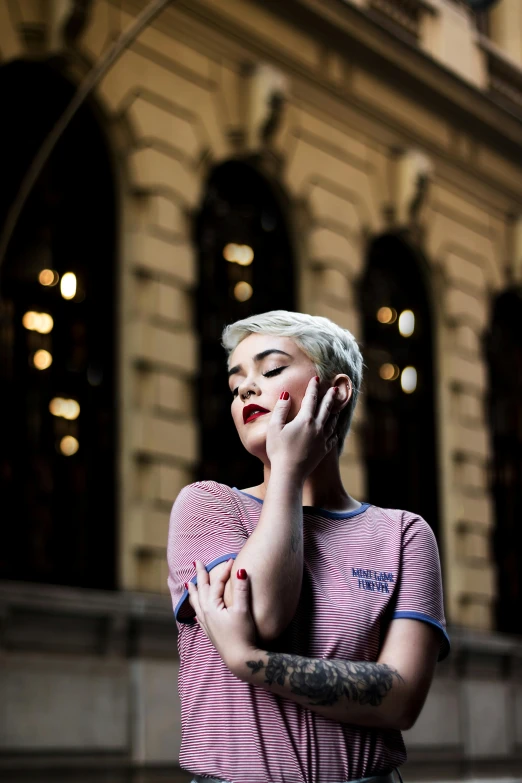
204 525
419 592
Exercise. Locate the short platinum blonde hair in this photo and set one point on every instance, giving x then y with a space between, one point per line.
333 350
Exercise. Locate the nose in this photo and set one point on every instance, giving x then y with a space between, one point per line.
246 390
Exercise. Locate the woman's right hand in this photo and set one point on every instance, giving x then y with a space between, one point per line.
299 445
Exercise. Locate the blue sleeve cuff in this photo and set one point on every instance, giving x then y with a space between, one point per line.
184 613
425 618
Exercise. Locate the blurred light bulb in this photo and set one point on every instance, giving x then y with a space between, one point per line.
389 372
406 323
386 315
243 291
42 360
230 252
48 277
409 379
67 409
69 445
245 255
68 285
38 322
238 254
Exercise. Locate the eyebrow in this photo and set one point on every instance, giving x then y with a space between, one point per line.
257 358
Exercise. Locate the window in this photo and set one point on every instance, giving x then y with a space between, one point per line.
245 267
57 356
504 354
399 431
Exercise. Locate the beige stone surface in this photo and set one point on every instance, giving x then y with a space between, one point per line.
51 704
162 437
163 258
154 169
166 123
159 347
450 37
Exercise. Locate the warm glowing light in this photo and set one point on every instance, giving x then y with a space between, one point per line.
409 379
389 372
243 291
42 360
38 322
67 409
48 277
69 445
386 315
68 285
406 323
238 254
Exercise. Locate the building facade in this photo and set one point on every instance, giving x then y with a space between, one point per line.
356 159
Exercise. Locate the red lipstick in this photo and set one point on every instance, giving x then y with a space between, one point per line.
252 411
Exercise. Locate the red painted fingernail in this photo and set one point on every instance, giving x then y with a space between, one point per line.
194 563
186 586
241 573
284 396
317 378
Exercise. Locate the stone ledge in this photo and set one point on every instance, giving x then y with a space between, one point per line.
54 619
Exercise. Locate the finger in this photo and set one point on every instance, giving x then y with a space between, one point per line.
203 578
280 412
309 402
193 597
326 406
218 585
242 591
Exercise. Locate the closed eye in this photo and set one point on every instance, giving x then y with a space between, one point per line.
268 374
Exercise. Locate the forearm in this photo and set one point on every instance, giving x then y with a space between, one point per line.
273 557
363 693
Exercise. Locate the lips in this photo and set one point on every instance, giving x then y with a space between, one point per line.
251 412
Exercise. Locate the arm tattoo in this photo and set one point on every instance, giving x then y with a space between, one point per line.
324 682
295 541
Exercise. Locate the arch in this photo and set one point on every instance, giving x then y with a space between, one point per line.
504 358
243 207
399 440
58 505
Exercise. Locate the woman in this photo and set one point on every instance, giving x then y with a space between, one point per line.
320 618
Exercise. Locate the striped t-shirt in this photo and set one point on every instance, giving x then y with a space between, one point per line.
361 570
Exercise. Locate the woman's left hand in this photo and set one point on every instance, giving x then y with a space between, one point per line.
232 631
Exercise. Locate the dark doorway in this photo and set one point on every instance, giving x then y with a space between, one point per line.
399 432
504 355
245 266
57 342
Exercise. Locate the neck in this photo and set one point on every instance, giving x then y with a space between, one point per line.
323 488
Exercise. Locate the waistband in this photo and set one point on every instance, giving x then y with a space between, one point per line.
390 777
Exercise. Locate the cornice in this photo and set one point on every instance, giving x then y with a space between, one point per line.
336 26
350 29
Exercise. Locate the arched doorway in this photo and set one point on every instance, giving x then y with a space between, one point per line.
245 266
400 435
504 356
57 341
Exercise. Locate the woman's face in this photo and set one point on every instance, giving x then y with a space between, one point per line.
261 367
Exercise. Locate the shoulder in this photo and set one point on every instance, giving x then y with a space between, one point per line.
205 493
405 527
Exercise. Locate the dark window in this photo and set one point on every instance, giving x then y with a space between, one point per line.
504 353
57 356
242 219
399 430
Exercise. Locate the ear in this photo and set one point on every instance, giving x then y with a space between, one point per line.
344 395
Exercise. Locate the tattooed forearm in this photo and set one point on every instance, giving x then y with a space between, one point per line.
324 682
